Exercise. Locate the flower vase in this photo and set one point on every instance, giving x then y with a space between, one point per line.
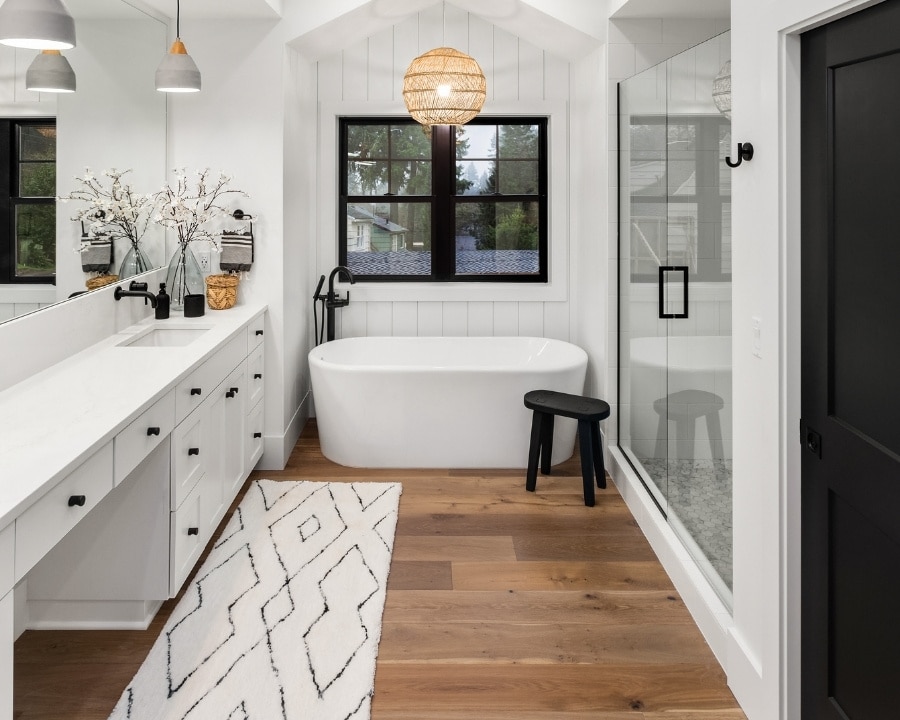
135 262
184 276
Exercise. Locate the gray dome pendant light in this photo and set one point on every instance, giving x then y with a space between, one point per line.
50 72
177 72
37 24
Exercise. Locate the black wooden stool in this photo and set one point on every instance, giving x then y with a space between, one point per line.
588 412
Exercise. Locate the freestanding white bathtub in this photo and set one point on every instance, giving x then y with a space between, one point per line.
439 402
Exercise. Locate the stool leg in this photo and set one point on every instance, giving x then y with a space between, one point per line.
714 429
534 450
597 452
662 438
546 443
587 464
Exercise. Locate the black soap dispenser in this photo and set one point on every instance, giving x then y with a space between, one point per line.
162 303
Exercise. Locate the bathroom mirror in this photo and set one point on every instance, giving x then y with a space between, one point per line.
115 119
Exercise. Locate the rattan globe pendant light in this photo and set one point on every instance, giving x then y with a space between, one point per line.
444 87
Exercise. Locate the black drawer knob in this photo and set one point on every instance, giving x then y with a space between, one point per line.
235 390
193 451
196 391
193 531
259 332
230 393
257 435
257 376
78 500
152 431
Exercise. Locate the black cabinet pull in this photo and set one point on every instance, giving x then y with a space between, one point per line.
235 390
257 376
152 431
259 332
196 391
193 531
193 451
78 500
257 435
230 393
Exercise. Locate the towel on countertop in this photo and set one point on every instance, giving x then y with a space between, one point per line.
96 254
237 252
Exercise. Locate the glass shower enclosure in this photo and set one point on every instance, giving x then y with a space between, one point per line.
675 296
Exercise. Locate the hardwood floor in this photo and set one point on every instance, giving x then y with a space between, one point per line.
501 605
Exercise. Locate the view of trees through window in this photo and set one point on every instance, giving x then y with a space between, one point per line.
466 203
28 201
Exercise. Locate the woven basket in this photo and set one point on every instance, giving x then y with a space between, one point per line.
101 280
221 291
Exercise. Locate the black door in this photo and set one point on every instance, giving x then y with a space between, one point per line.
851 367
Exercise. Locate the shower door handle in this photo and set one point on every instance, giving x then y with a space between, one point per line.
663 281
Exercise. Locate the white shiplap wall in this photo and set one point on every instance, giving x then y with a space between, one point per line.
366 77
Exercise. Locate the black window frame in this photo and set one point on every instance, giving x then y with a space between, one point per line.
10 199
444 199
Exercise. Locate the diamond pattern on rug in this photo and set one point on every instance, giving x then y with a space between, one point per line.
284 617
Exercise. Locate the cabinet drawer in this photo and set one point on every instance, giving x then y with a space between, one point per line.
197 386
7 558
190 450
254 430
257 330
255 376
42 525
136 441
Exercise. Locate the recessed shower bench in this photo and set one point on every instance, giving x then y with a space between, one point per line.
116 466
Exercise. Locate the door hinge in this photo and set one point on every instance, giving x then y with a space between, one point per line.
810 439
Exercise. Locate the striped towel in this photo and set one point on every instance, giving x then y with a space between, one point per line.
237 252
96 254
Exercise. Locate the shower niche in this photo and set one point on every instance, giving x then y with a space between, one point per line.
675 419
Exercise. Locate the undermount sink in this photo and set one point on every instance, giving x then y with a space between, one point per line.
165 337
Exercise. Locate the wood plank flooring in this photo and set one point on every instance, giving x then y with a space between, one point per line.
501 605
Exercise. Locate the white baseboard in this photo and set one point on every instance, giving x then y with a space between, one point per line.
91 614
277 449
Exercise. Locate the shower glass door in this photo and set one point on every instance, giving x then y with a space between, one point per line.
675 299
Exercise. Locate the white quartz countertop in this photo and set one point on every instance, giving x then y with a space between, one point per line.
54 420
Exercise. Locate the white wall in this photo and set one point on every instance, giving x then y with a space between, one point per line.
766 238
366 78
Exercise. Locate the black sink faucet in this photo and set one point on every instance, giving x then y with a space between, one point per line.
135 289
333 300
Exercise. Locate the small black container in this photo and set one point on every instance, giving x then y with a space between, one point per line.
162 303
194 305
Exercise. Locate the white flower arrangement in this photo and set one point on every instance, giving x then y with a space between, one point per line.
114 211
189 208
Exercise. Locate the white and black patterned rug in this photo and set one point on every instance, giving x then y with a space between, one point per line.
282 621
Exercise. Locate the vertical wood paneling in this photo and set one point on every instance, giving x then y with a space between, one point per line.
379 318
7 74
329 72
481 47
531 319
405 320
356 71
456 319
556 78
381 66
456 28
506 319
481 319
506 66
7 311
431 28
531 72
353 319
556 320
406 47
431 319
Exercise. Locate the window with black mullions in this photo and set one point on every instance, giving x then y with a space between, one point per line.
467 204
28 201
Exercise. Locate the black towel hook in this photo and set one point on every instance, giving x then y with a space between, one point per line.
744 152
